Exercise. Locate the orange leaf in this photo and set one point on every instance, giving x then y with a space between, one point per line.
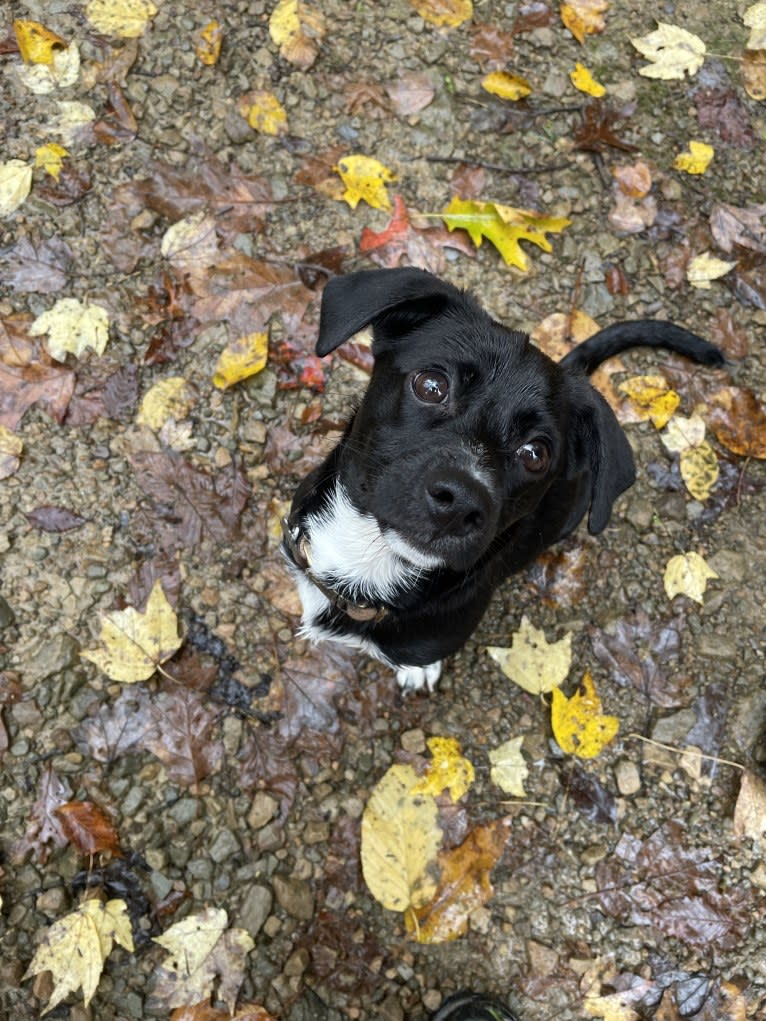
86 826
584 17
738 419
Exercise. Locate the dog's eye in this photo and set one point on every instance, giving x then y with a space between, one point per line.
535 456
430 386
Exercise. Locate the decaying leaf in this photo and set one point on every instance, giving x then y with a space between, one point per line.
579 726
444 13
126 19
506 85
241 359
15 182
400 841
191 244
75 947
705 268
72 327
755 19
202 951
738 419
173 397
683 433
263 112
739 226
87 827
672 51
652 398
584 17
135 643
696 160
447 771
365 180
536 665
11 447
687 574
37 44
44 826
504 227
298 30
509 767
207 43
583 80
750 810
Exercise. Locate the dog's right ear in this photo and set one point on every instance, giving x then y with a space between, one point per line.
351 302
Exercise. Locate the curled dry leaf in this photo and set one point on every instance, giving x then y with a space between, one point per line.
11 447
750 810
584 17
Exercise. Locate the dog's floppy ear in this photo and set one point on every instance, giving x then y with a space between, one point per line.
353 301
602 446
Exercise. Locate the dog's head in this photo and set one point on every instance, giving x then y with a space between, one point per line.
465 428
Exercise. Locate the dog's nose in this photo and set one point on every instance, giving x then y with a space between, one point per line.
458 504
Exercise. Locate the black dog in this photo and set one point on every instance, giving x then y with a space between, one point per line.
470 453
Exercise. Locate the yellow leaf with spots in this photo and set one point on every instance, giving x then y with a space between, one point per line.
448 770
673 52
173 397
509 768
705 268
126 19
37 43
51 158
583 80
578 724
506 85
687 574
696 160
444 13
136 642
365 179
699 469
651 398
532 662
11 447
584 17
504 227
298 30
400 841
75 947
242 358
15 182
207 43
264 113
72 327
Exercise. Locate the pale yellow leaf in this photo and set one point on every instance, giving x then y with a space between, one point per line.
750 810
15 182
583 80
755 19
51 158
687 574
74 119
672 51
400 841
126 19
509 768
447 771
63 71
191 243
444 13
578 724
298 29
365 179
11 447
683 433
173 397
506 85
703 269
243 358
72 327
135 643
536 665
699 470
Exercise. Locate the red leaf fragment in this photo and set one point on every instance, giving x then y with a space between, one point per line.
87 827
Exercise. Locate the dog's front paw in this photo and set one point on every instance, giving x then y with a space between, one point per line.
416 678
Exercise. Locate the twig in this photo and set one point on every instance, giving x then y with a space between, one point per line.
686 751
545 168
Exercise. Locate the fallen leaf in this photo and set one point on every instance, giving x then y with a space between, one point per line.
401 241
509 768
506 85
598 130
365 179
588 795
72 327
36 42
51 158
191 244
11 447
696 160
126 19
738 419
652 398
54 519
207 43
400 841
202 951
491 46
683 433
755 19
737 226
411 92
60 72
584 17
241 359
699 470
15 183
137 642
705 268
673 52
44 827
87 828
27 376
504 227
444 13
753 71
536 665
687 574
173 397
74 181
448 770
75 948
40 266
117 727
578 724
583 80
264 113
750 809
73 122
182 735
613 1006
298 30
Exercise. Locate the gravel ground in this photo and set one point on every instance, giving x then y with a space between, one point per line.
259 811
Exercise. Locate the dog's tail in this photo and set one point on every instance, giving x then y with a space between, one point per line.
640 333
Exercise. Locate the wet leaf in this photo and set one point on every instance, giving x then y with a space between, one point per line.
491 46
241 359
400 841
207 43
448 770
750 810
117 727
173 397
699 470
401 242
583 80
75 948
651 398
182 736
85 825
27 376
15 183
696 159
509 767
444 13
365 180
11 447
49 518
60 72
72 327
536 665
506 85
683 433
37 43
641 652
590 797
736 226
298 30
504 227
44 826
672 51
599 129
738 419
753 71
126 19
578 724
74 181
411 92
584 17
136 642
264 113
39 266
705 268
687 574
191 243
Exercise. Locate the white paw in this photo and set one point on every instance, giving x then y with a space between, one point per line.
416 678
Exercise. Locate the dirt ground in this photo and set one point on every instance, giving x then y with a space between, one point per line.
240 784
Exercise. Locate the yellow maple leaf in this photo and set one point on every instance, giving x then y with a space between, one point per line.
705 268
532 662
75 947
696 160
135 643
687 574
583 80
584 17
51 158
509 768
126 19
448 770
264 113
243 358
400 840
15 182
673 52
173 397
578 724
298 30
72 327
503 226
365 179
11 447
506 85
37 43
207 43
651 398
444 13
